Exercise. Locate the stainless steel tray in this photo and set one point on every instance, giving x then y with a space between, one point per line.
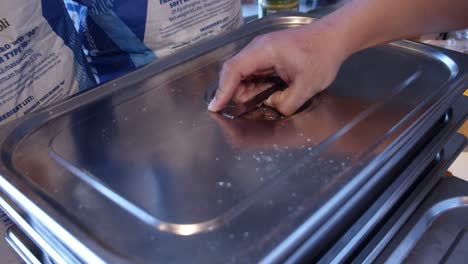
436 233
424 167
441 235
138 171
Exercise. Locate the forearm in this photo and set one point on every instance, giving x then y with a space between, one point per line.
309 57
365 23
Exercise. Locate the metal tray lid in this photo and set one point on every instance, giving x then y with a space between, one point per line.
138 171
436 231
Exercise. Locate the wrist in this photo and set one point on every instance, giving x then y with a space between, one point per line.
346 30
333 36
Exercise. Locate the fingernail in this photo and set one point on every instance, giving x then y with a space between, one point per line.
212 104
268 101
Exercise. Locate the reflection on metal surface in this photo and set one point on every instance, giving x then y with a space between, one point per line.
139 171
21 248
414 236
41 239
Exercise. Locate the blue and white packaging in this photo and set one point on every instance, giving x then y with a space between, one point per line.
41 59
121 35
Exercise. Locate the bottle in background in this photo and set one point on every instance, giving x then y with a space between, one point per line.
272 6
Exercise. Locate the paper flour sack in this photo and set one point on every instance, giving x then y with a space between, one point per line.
41 59
122 35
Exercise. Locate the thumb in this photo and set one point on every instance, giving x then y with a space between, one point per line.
290 100
253 58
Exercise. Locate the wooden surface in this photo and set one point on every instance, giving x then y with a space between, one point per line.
460 167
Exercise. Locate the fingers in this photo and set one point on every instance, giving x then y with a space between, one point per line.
264 72
290 100
249 90
241 89
252 59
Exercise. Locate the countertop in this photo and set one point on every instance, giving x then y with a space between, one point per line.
460 167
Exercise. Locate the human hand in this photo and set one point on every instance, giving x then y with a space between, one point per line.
299 131
307 58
